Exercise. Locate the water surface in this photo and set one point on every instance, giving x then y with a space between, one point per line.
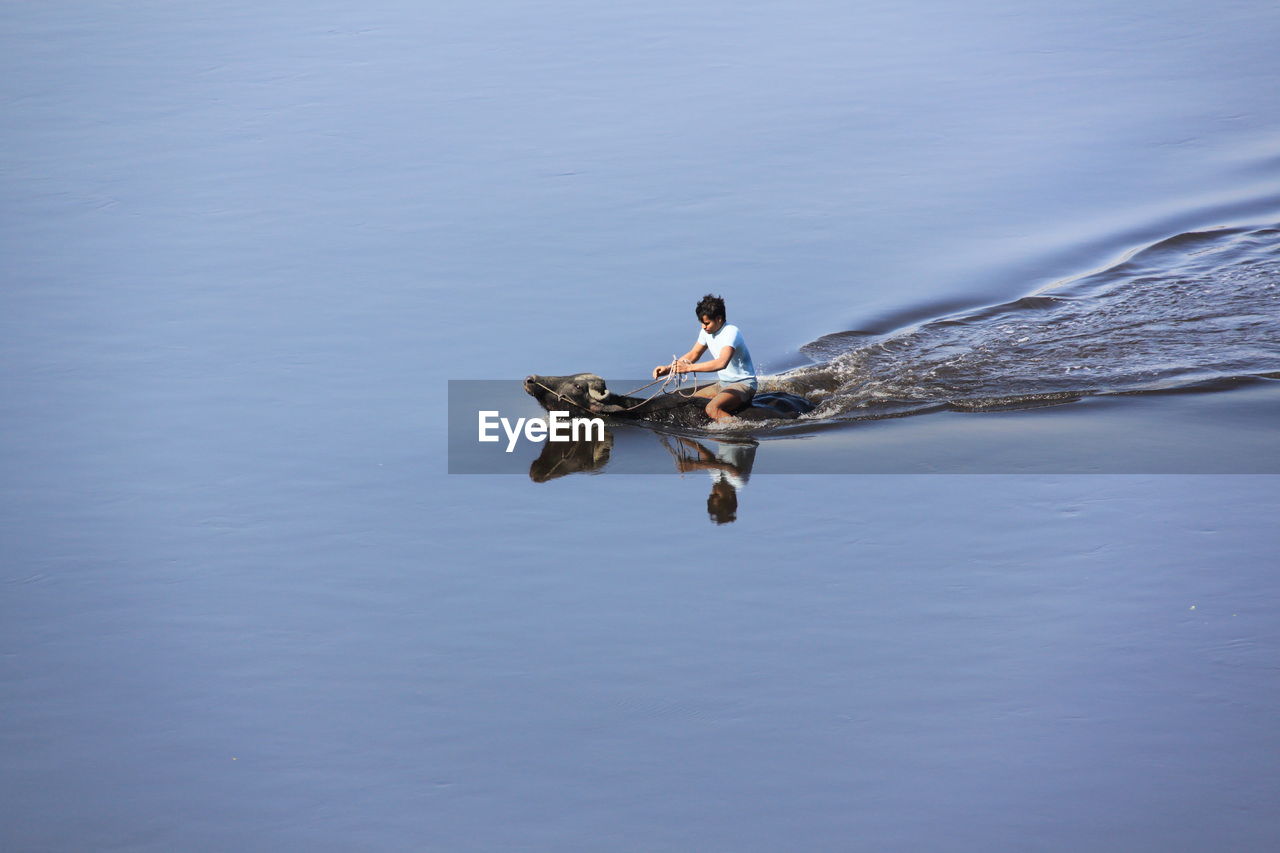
245 607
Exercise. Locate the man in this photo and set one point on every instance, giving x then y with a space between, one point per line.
730 361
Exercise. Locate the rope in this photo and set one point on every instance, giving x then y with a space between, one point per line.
670 377
565 399
679 380
561 397
667 379
671 382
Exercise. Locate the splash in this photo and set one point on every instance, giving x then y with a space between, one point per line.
1199 310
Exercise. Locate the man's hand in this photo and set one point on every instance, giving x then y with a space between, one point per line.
664 369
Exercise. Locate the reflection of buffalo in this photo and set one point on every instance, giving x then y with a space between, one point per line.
560 458
585 395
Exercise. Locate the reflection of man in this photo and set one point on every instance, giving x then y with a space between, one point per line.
729 467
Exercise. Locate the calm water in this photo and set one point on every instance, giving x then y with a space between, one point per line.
1025 255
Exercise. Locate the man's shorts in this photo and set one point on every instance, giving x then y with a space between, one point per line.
745 390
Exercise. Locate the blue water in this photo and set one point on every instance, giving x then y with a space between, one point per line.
244 249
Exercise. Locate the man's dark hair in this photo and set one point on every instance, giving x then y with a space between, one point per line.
722 503
711 306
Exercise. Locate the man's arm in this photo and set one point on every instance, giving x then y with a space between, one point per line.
706 461
692 355
688 358
717 363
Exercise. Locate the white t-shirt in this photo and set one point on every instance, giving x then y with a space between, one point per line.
739 368
741 456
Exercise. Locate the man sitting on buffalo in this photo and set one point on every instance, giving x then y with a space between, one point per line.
730 361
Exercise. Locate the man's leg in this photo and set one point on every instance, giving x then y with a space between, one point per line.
708 391
724 404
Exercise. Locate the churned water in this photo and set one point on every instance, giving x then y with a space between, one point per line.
1195 310
1028 249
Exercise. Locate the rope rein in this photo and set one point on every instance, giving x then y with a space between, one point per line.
670 378
671 382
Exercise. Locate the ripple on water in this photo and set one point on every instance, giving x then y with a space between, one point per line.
1195 311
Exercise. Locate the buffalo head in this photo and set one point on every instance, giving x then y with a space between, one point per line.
581 392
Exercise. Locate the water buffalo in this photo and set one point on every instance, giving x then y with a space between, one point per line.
586 395
561 458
